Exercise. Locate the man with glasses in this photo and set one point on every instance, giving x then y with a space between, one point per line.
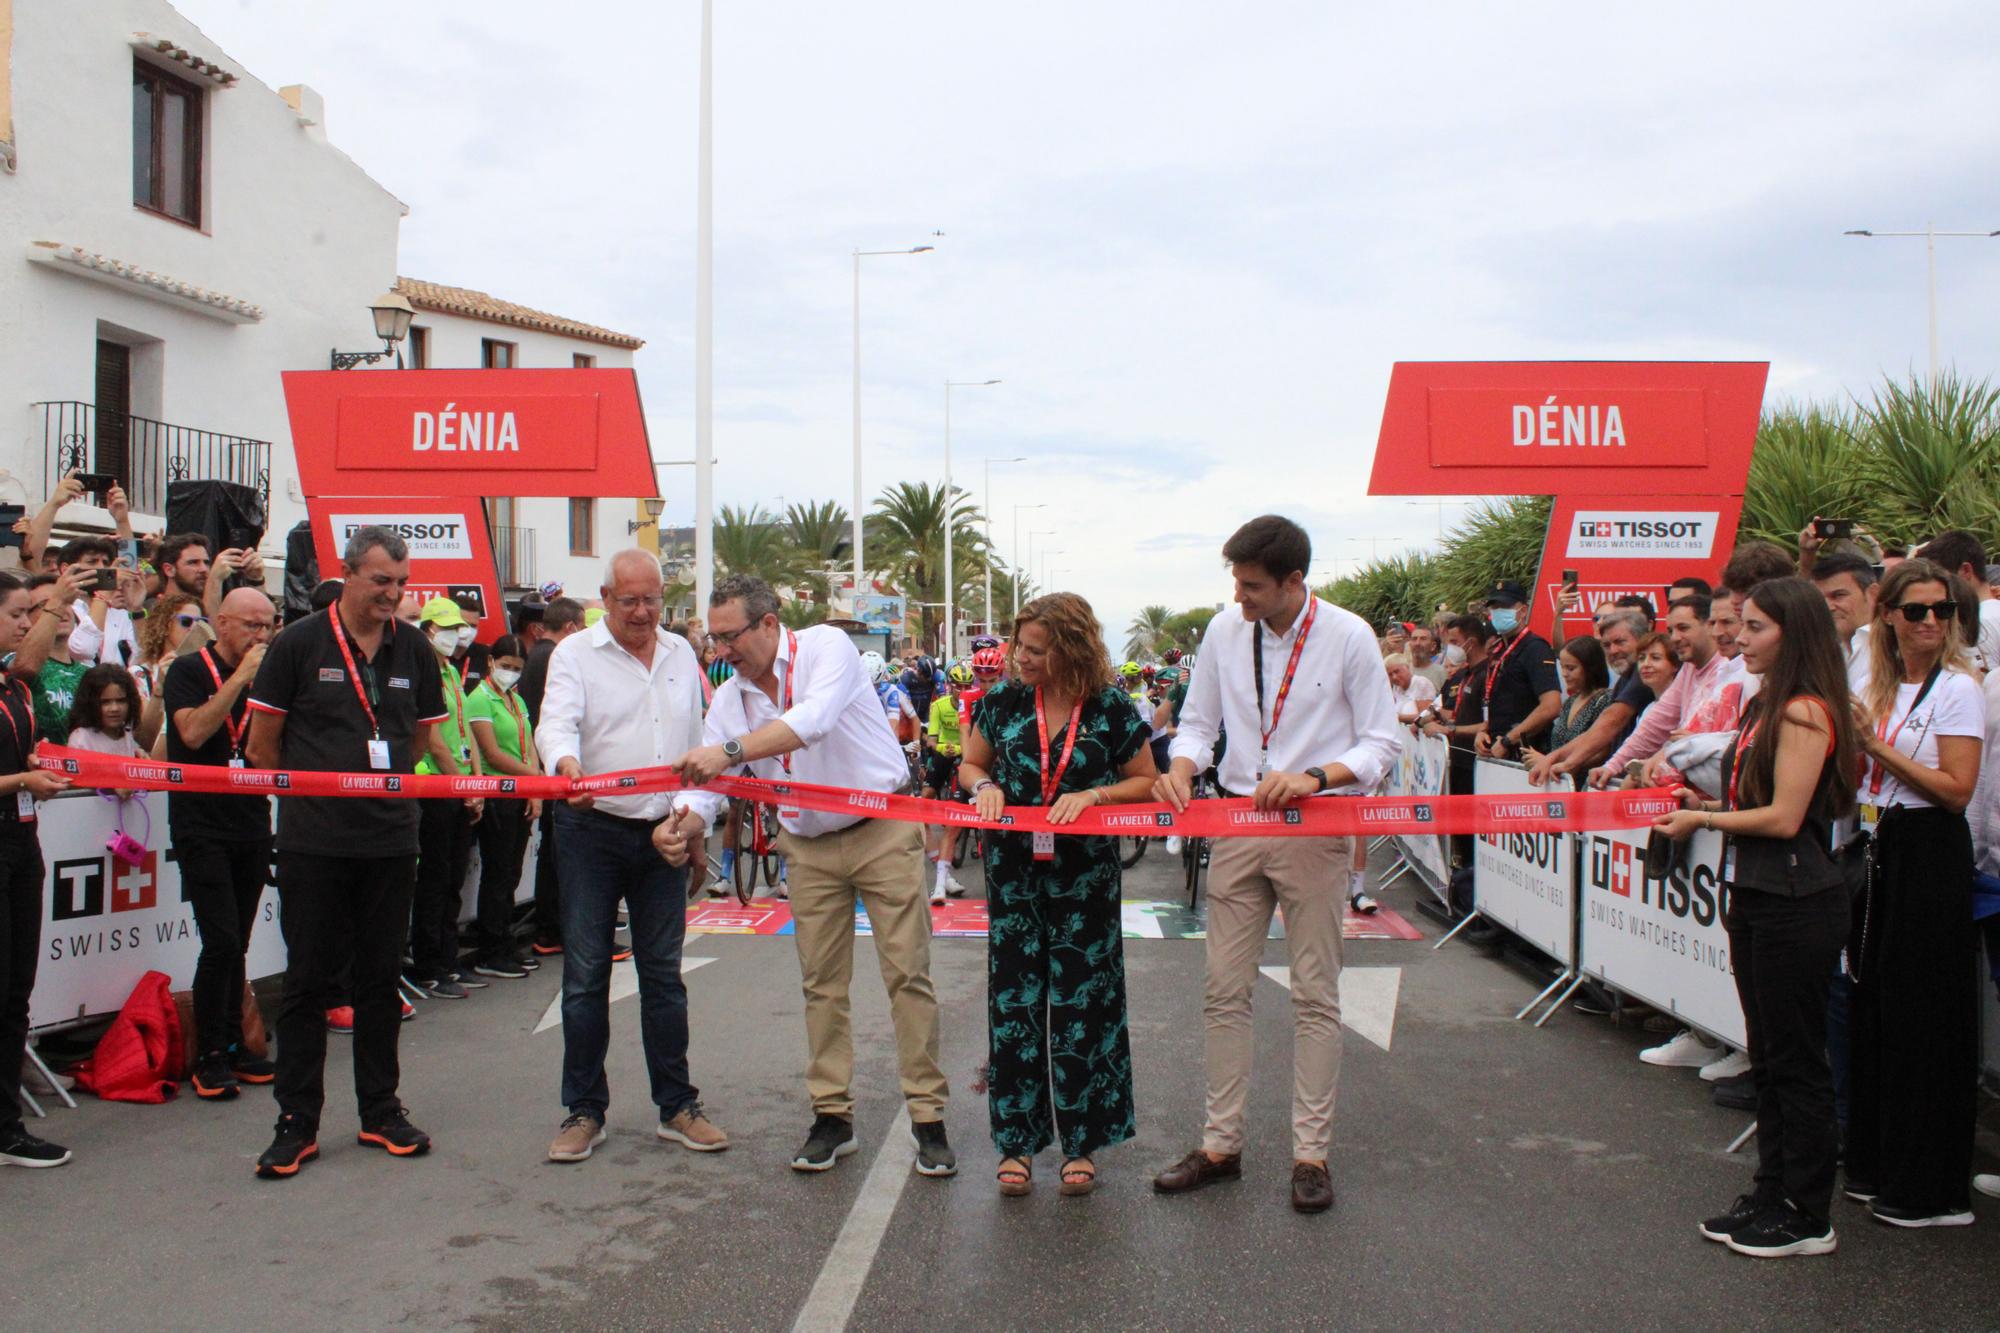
347 690
622 694
223 841
800 708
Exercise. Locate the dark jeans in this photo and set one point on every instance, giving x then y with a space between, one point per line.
548 885
333 910
1782 949
1839 1004
224 882
444 843
503 842
605 859
20 953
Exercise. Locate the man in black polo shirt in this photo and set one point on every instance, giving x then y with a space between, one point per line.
223 842
1522 694
347 690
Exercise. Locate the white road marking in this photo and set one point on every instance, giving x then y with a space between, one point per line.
1367 999
624 983
830 1303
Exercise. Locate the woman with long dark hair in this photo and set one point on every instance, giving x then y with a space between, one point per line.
21 785
1915 1028
1064 735
1787 784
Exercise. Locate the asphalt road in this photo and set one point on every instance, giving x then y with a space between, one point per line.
1489 1176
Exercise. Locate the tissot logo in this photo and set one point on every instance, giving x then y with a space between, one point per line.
430 536
1618 534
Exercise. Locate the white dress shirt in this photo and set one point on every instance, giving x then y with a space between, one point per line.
1339 710
835 712
88 643
608 711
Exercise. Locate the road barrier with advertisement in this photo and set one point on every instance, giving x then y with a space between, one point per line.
1525 880
1421 771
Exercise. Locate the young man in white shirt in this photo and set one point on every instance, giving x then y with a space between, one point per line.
1300 686
1847 582
799 708
622 694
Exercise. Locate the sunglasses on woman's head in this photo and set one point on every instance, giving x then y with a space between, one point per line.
1914 612
187 620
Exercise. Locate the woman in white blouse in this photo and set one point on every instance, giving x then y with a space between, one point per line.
1915 1025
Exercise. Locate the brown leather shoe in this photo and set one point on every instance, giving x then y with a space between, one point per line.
1312 1188
1195 1170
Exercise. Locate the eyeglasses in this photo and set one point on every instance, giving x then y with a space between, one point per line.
728 639
187 620
1914 612
631 604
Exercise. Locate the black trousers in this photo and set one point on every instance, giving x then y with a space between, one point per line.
223 880
503 843
548 886
1915 1025
1782 950
334 909
444 855
20 953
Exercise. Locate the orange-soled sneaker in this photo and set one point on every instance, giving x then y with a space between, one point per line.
249 1068
395 1135
212 1081
340 1020
296 1144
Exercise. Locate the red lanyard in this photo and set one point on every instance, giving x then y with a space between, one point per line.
1049 784
452 682
236 733
513 710
1291 670
1888 738
24 739
1743 745
354 675
1493 671
791 665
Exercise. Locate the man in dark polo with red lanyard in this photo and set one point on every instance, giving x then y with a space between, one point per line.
223 842
348 690
1298 684
1522 694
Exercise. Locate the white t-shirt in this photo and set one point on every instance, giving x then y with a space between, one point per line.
1954 707
1989 635
89 738
1859 663
1983 813
1410 701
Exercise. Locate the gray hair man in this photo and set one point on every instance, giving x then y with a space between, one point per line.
622 694
800 708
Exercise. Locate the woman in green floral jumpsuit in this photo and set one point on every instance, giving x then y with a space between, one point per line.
1060 1059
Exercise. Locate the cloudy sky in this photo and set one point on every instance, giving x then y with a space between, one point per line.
1191 238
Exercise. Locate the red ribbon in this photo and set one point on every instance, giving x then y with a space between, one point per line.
1237 817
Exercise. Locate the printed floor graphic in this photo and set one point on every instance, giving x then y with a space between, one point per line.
965 918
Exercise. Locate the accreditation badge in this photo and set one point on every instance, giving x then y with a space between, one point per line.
1045 845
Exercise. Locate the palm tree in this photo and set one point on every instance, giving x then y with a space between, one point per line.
749 541
1145 631
907 536
1184 631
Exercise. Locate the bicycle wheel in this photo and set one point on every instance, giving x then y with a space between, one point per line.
1194 862
770 859
746 851
1130 850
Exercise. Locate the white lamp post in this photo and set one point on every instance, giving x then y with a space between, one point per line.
1015 554
989 534
860 502
1930 233
950 630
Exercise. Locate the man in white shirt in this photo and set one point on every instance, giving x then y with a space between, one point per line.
1848 583
1299 685
1409 692
622 695
1696 701
800 709
103 630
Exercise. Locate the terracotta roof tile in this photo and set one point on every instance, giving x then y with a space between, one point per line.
478 305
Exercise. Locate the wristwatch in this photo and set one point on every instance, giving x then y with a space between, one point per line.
732 750
1318 775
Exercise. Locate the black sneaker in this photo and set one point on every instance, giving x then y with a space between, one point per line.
934 1154
1735 1094
1858 1191
1897 1216
502 967
20 1148
444 989
296 1144
212 1080
395 1135
463 973
249 1068
1593 999
831 1139
1783 1232
527 961
1741 1214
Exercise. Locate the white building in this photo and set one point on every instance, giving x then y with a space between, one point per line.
182 233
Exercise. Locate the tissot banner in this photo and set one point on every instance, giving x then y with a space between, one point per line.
450 552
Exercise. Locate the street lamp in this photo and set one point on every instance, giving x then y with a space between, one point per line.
860 501
654 506
1038 532
950 630
1930 233
989 534
1015 554
1045 564
393 313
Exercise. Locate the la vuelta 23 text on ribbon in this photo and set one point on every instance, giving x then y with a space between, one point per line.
1320 817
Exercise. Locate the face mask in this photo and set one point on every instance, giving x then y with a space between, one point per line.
465 637
1504 619
445 640
1454 655
505 677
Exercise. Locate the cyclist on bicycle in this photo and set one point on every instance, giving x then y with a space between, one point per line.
944 746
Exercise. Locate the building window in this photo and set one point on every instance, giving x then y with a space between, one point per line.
496 355
583 361
420 348
166 144
582 526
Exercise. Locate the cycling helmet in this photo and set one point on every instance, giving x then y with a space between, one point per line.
960 675
925 668
871 665
980 641
989 661
1130 671
1147 671
1171 657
